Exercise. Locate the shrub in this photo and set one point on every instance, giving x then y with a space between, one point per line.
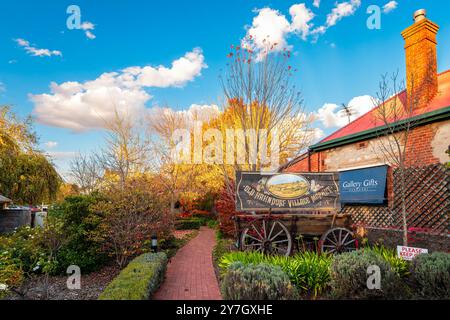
222 247
398 265
80 225
308 271
131 216
431 275
257 282
213 224
349 277
246 258
21 248
226 208
139 280
11 274
189 224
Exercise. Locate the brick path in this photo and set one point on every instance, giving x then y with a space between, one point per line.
190 274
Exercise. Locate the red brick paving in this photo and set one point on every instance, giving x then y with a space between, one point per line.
190 274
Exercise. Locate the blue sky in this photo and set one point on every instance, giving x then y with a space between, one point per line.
343 62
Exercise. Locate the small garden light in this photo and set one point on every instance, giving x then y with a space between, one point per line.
154 245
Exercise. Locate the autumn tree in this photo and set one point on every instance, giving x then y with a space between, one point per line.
26 175
260 97
131 215
125 152
87 172
395 117
178 179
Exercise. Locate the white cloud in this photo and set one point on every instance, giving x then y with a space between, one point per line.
88 27
343 9
390 6
2 87
12 61
183 70
35 51
316 134
301 17
82 106
269 27
331 115
51 144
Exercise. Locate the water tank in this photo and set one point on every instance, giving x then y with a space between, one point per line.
10 219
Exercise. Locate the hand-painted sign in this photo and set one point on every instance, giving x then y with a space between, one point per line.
409 253
366 186
258 191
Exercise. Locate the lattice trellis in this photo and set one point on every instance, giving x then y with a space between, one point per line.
427 201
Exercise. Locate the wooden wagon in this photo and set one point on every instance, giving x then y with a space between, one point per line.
310 213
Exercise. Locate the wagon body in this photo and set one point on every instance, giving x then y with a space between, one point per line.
313 225
279 233
284 207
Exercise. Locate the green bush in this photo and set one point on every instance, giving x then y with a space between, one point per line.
189 224
400 266
222 247
244 257
308 271
21 247
139 280
349 277
257 282
11 274
213 224
431 275
80 226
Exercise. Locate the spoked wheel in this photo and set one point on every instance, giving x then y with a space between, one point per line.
338 240
269 237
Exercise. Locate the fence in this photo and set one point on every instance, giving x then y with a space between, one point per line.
427 201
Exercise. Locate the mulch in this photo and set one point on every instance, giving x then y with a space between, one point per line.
92 285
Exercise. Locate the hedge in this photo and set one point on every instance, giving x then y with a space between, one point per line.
139 280
189 224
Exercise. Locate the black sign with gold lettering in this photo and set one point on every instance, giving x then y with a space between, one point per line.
258 191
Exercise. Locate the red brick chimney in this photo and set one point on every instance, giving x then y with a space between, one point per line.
421 60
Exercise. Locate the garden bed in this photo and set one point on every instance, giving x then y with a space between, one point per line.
342 276
92 285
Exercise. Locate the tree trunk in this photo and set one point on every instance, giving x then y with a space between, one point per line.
172 204
404 218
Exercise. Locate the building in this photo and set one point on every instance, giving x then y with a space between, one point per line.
357 146
4 202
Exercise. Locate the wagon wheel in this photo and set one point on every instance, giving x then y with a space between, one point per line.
269 237
338 240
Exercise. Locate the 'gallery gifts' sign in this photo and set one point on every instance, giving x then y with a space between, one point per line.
257 191
409 253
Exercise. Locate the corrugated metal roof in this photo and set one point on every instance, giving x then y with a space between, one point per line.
370 120
4 199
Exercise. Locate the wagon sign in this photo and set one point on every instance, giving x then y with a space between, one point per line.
258 191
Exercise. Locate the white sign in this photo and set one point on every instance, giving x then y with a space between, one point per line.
409 253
